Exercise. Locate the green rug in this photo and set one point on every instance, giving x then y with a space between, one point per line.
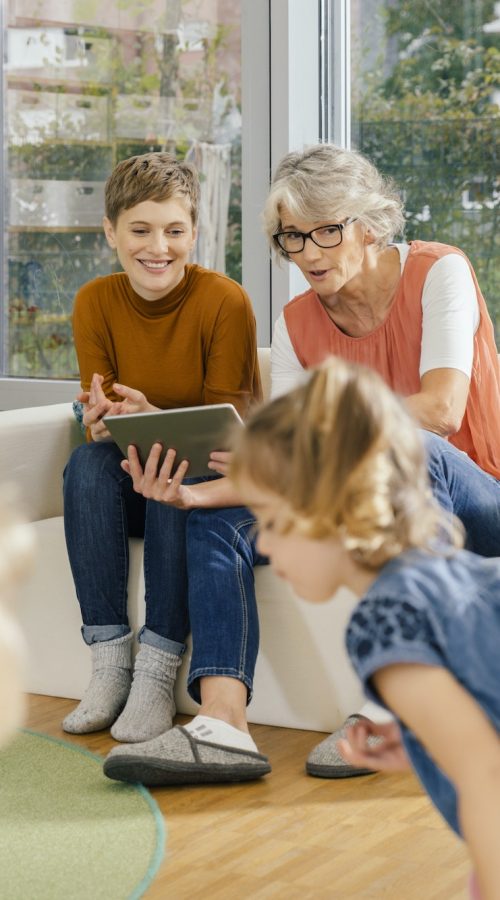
69 833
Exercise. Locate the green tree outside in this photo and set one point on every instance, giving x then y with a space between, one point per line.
425 114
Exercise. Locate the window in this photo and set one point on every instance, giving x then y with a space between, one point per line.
86 85
236 85
424 107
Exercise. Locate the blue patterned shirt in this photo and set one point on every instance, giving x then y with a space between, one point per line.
438 611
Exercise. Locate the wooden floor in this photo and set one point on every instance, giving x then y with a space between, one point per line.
292 836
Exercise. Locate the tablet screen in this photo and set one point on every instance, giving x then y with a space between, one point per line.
192 432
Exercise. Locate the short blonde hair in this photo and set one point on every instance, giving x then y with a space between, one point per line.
328 184
346 457
151 176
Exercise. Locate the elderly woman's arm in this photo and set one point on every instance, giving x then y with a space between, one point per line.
450 318
440 404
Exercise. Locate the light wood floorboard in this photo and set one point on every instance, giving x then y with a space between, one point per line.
290 836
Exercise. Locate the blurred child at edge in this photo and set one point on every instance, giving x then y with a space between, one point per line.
16 551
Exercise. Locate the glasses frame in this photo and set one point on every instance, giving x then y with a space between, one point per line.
310 234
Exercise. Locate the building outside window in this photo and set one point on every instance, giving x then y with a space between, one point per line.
85 85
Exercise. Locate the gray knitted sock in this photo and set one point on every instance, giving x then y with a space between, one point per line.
109 686
150 706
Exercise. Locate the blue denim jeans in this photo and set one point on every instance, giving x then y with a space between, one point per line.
221 554
198 567
464 489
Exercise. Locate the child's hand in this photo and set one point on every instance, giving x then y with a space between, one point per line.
386 755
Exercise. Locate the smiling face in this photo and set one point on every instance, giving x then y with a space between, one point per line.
328 269
153 241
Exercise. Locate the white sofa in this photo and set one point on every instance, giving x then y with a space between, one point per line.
303 677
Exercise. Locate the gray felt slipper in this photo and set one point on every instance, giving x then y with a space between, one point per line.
177 757
325 760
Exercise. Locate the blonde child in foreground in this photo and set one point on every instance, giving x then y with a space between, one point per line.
336 475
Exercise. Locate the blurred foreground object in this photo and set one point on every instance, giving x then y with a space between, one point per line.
16 552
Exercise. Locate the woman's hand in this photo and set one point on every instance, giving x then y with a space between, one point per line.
161 485
386 755
95 406
133 401
220 461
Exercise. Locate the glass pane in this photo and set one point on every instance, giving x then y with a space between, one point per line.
86 85
425 110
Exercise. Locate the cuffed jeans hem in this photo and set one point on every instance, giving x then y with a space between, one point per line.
193 682
146 636
92 634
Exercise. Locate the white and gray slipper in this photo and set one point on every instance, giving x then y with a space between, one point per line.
325 760
177 757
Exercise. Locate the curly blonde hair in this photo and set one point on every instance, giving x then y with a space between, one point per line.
344 454
328 183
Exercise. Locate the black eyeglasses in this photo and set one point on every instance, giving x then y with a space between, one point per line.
326 236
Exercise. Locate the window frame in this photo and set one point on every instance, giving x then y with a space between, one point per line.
294 35
335 72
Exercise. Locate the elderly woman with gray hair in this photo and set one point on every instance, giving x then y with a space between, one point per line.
413 311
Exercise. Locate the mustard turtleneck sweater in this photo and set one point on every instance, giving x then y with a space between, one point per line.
195 346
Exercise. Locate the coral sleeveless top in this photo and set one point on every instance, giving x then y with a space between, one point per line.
393 350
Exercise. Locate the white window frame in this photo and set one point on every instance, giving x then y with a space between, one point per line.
294 108
280 105
283 89
255 137
335 73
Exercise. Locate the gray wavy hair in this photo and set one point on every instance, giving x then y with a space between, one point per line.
325 183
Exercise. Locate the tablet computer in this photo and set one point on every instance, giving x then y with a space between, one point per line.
193 432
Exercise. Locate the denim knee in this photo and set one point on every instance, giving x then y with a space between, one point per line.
91 462
222 606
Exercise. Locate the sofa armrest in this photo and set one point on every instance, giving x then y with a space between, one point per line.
35 444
